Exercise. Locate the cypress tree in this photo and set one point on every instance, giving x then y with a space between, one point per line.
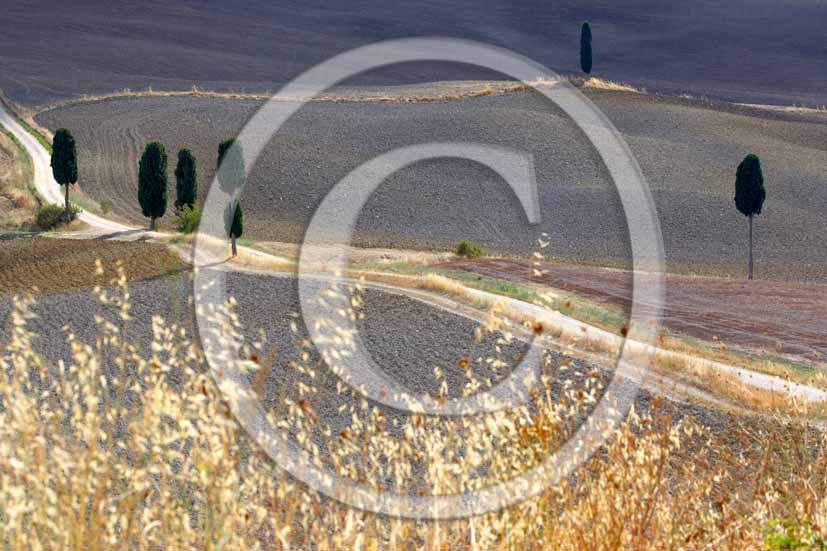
230 165
64 161
152 182
186 182
234 224
586 48
750 193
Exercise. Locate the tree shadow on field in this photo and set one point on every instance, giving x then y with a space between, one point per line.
122 233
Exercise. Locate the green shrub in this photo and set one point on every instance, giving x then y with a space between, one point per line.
469 250
187 218
106 206
787 533
51 216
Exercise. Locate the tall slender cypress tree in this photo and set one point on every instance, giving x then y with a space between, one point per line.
230 165
186 181
64 161
750 194
152 182
234 224
230 168
586 48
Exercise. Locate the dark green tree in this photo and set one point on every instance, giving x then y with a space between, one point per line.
234 224
152 182
586 48
750 193
230 165
64 161
186 181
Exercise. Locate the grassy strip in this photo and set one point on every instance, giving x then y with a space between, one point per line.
28 165
610 319
484 89
19 187
84 202
28 127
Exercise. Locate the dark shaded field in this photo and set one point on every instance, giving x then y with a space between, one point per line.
749 50
688 151
407 338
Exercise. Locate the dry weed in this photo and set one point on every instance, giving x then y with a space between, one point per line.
117 448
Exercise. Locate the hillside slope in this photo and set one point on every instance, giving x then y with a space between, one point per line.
746 50
687 150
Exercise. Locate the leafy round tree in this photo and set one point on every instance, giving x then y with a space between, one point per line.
152 182
749 193
234 224
64 161
186 182
586 48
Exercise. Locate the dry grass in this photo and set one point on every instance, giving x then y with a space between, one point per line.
53 265
811 373
113 450
455 93
450 93
595 83
786 108
17 200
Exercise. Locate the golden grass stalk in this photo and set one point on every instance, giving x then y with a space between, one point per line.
121 448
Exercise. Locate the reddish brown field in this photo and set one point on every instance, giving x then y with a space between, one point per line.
53 265
775 316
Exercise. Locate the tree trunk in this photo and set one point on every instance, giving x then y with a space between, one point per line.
235 251
750 247
67 202
151 223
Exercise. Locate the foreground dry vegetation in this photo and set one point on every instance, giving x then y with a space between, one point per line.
114 450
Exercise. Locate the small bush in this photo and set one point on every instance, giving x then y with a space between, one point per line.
469 250
106 206
790 533
186 219
51 216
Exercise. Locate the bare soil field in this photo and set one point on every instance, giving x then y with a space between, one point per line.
761 51
776 317
406 337
687 149
52 265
